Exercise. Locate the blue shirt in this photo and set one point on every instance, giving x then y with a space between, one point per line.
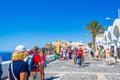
18 67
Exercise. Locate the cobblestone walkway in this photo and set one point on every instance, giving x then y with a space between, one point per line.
90 70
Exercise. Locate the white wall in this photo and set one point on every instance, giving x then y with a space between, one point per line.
5 65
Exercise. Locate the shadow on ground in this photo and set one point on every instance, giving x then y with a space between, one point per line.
86 64
52 78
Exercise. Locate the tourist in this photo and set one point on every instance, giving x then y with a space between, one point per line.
69 53
18 69
100 53
43 60
115 56
80 54
83 56
36 73
86 51
103 53
97 54
91 52
118 51
58 47
108 56
56 55
0 67
75 55
61 53
112 51
65 53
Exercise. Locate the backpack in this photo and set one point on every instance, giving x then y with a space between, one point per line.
91 52
30 61
66 51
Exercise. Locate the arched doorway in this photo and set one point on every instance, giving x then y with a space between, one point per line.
116 34
109 37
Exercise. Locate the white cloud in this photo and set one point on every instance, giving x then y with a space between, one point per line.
107 18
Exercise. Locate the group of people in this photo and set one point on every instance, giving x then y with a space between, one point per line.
105 53
19 68
77 54
109 54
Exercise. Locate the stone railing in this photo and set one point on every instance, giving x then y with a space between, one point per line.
5 65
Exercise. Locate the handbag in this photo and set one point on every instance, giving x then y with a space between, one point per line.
12 71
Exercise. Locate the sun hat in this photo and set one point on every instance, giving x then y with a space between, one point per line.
20 48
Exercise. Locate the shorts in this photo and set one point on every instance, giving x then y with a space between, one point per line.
64 55
34 76
44 65
107 58
75 57
115 57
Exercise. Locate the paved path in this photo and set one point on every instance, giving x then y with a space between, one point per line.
91 70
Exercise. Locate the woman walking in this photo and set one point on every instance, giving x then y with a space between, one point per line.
69 52
75 55
80 54
18 69
43 60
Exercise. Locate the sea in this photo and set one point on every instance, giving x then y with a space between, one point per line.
6 56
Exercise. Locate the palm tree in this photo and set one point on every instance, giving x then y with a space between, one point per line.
94 29
90 44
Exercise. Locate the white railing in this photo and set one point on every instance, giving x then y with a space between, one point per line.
5 65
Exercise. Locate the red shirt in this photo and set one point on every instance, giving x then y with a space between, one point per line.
80 53
37 59
69 50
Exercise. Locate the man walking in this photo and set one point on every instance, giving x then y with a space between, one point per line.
80 54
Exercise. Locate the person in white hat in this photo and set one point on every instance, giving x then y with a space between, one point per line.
18 69
21 48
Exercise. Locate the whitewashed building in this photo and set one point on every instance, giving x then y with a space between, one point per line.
112 35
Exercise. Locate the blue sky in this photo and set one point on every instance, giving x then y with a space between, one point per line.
36 22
